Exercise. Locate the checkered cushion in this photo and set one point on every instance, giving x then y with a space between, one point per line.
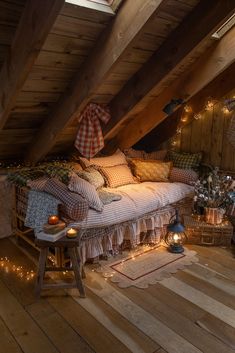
186 176
184 160
93 176
151 170
60 172
86 190
73 205
110 161
117 175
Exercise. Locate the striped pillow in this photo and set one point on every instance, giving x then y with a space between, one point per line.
117 175
110 161
186 176
150 170
86 190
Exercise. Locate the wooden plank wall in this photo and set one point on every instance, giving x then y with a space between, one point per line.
208 134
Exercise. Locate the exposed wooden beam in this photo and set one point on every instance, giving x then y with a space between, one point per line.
218 88
37 19
210 65
191 34
113 45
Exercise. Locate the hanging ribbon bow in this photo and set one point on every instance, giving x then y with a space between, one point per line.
89 140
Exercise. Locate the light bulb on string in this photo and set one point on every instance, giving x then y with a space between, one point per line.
187 108
225 110
197 116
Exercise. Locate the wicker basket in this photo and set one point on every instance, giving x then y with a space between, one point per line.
202 233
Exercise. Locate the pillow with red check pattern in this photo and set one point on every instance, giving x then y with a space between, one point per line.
117 158
186 176
117 175
73 205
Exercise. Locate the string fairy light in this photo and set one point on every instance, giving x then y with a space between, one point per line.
187 108
9 267
197 116
225 110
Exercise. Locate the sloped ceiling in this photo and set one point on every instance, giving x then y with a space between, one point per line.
34 121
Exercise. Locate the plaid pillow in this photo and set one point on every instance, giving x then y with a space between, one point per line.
93 176
117 176
60 172
86 190
156 155
186 176
184 160
150 170
21 177
74 206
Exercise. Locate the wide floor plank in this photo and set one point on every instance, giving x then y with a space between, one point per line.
177 321
211 305
7 342
160 333
25 331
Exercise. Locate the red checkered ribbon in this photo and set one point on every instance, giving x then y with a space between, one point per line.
89 140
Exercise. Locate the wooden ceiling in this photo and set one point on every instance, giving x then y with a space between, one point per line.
57 57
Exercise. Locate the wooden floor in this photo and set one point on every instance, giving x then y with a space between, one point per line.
190 312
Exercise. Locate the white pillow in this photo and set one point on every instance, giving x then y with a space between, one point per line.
117 158
86 190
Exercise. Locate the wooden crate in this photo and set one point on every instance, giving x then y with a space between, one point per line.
202 233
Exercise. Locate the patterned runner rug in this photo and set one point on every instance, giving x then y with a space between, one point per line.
144 266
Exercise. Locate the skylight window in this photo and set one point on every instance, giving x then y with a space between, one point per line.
224 28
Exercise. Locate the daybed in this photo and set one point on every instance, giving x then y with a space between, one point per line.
139 216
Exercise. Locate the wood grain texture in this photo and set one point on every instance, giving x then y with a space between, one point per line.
205 70
28 40
168 58
105 54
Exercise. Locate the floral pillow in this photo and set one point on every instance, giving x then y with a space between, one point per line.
93 176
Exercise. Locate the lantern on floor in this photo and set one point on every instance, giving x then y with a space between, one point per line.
175 236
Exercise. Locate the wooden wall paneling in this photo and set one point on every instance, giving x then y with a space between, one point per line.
59 60
228 151
186 138
217 135
45 85
29 38
108 51
196 134
206 121
24 121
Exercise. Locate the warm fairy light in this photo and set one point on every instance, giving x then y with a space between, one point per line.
197 116
8 266
184 119
225 110
187 108
209 105
179 130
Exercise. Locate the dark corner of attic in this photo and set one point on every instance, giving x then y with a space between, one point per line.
117 176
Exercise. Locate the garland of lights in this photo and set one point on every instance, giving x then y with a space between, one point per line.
9 267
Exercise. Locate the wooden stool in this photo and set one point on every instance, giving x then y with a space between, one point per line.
74 252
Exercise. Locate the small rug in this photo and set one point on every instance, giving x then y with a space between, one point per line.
145 266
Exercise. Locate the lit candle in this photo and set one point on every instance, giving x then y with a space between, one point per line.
71 233
53 220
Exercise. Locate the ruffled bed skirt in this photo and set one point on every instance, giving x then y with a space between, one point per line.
149 229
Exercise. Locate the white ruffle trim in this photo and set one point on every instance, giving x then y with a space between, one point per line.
149 229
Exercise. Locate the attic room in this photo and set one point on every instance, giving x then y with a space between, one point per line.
117 176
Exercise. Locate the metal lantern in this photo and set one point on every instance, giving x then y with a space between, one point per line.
175 236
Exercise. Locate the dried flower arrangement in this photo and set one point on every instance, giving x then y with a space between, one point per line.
215 191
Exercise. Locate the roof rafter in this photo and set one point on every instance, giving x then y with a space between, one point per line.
34 26
210 65
109 50
193 32
218 88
